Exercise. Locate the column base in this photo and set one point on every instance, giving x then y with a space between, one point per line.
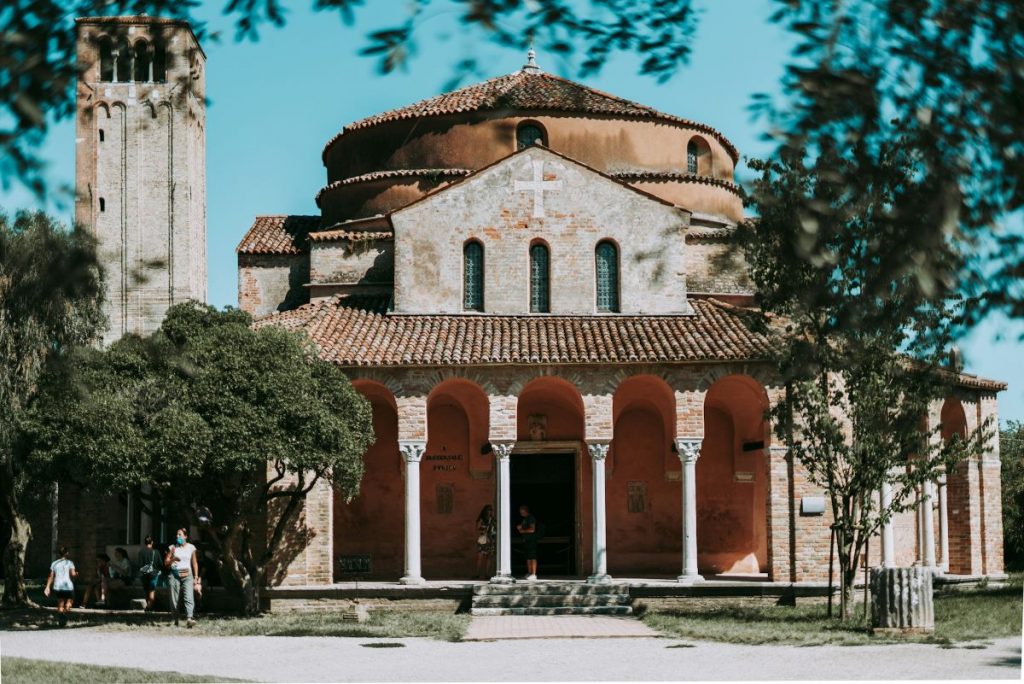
502 579
412 580
689 579
599 579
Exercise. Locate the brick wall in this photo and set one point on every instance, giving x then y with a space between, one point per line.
272 282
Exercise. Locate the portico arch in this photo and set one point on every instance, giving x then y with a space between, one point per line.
452 487
732 480
371 525
644 498
953 420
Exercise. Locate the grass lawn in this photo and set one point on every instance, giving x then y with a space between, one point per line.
959 617
27 671
438 624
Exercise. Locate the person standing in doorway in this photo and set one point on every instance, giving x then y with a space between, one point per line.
149 570
528 529
486 531
184 566
61 584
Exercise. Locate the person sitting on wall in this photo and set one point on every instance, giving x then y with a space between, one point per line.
528 529
121 574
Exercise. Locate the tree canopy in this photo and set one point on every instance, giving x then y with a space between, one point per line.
51 286
215 417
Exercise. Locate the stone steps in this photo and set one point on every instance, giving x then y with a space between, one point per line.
536 598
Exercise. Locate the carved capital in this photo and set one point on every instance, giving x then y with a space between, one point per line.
688 448
598 450
412 450
503 450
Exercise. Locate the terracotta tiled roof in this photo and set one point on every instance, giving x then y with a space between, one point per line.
673 176
393 173
530 91
278 235
328 235
707 233
358 331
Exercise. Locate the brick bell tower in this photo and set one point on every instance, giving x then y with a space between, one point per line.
140 164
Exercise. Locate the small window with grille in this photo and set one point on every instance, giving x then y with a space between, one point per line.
473 276
540 297
607 270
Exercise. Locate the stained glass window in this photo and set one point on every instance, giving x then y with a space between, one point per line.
607 257
529 133
691 157
540 301
473 277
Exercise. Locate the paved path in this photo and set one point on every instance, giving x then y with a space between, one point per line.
487 628
424 660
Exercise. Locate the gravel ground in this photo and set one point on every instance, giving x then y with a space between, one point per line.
425 660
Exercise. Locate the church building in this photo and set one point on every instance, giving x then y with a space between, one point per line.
531 282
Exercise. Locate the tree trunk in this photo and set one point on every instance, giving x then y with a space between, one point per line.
849 574
14 561
245 583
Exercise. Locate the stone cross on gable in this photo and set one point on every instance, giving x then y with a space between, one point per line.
538 185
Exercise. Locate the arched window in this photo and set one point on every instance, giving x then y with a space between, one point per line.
123 64
142 63
607 271
159 64
698 157
529 132
540 295
106 60
691 157
473 276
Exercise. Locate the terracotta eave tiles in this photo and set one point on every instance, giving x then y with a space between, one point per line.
284 235
358 331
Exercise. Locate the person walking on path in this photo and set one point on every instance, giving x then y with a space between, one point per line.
61 584
528 529
184 566
486 531
149 570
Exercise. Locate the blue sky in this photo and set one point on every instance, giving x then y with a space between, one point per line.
276 102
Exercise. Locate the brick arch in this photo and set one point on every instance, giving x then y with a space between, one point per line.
732 484
559 401
372 523
953 425
484 382
643 494
451 497
386 380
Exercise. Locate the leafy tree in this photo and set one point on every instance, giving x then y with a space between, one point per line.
1011 450
229 425
50 289
862 367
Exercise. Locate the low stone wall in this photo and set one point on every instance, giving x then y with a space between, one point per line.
340 605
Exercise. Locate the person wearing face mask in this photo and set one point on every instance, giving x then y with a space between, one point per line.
184 569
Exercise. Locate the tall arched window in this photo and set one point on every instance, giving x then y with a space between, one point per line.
123 64
159 64
540 295
691 157
142 63
106 60
529 132
473 276
607 272
698 157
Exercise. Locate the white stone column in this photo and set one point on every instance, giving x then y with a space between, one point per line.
412 454
598 454
503 455
888 540
943 525
689 451
928 522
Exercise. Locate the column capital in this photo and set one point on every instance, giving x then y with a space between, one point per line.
412 450
688 448
503 450
599 449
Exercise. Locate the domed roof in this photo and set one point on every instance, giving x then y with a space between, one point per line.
530 89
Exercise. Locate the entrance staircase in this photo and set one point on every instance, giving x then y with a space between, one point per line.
552 598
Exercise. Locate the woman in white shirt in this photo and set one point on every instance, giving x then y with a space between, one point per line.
184 569
61 584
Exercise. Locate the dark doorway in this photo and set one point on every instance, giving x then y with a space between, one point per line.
547 484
